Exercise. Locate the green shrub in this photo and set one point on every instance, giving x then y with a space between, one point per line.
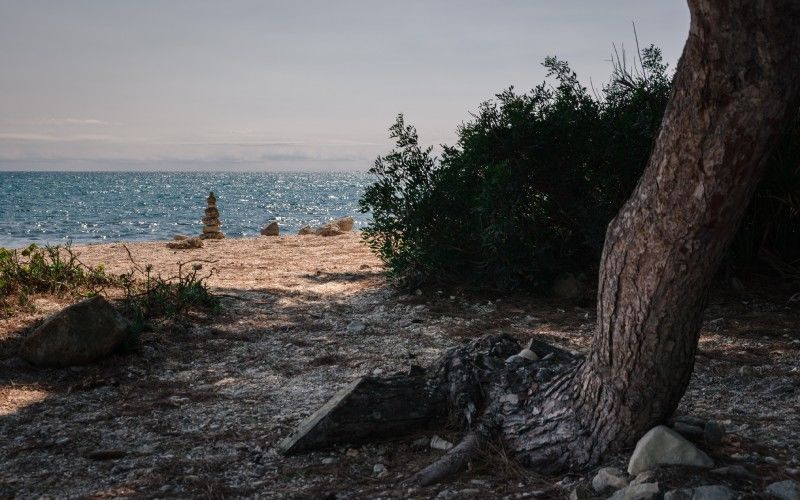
149 296
48 269
146 296
528 189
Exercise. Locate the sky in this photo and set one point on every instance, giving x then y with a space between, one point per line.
282 85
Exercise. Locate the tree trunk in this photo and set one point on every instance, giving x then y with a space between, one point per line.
735 89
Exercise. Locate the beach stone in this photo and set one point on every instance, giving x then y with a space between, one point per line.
305 230
647 476
641 491
77 335
329 229
185 244
785 490
712 492
609 478
272 229
344 223
438 443
663 446
356 326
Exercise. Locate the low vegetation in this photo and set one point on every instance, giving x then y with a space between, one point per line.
527 191
144 296
49 269
149 296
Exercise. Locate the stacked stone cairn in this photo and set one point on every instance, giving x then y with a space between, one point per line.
211 223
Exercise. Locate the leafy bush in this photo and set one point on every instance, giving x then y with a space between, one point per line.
148 296
528 189
48 269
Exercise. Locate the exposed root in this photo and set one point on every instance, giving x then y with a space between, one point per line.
450 463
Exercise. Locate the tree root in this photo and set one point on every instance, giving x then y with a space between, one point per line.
479 387
449 464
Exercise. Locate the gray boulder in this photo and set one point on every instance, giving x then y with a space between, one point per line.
785 490
77 335
272 229
344 223
329 229
641 491
609 478
713 492
663 446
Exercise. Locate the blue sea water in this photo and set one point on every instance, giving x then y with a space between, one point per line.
87 207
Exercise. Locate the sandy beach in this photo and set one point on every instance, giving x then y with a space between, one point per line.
198 413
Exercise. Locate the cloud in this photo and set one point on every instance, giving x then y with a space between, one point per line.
72 121
39 137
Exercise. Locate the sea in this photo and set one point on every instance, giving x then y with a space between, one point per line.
95 207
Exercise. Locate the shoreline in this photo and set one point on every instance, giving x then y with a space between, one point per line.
82 243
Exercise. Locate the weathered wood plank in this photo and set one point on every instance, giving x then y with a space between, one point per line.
368 408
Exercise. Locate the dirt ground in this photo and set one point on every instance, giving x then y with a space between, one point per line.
199 412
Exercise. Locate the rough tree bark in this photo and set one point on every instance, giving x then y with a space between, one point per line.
735 88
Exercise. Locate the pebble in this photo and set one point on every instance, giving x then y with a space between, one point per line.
438 443
636 492
356 326
609 478
379 470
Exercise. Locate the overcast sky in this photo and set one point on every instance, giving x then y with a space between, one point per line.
292 85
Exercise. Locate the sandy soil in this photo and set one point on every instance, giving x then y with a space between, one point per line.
198 413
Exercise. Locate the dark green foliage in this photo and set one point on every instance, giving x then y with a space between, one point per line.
528 189
48 269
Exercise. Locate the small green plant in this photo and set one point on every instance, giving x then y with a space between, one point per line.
148 296
49 269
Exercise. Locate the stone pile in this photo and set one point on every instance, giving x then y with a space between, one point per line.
211 223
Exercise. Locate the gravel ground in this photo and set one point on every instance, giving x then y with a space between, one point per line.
199 412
